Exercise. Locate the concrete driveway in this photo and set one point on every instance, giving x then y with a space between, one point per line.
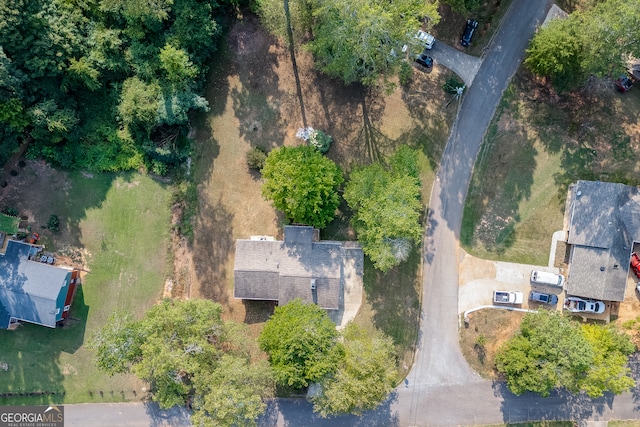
465 66
479 278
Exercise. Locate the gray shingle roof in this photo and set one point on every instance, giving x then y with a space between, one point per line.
30 290
604 222
283 270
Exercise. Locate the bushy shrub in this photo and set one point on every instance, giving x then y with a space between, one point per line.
54 223
256 158
320 140
11 211
451 85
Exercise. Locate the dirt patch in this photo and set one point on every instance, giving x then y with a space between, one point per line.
35 193
486 331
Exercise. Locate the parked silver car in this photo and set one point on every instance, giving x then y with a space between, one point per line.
549 299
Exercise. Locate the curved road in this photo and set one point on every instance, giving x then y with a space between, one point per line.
441 389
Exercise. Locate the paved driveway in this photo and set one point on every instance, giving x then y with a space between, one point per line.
479 278
465 66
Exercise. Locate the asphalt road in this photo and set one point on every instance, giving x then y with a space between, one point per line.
441 389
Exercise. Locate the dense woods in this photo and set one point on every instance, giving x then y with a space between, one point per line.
104 85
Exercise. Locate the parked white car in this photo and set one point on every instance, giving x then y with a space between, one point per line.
427 38
579 305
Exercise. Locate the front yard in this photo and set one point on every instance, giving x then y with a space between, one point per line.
538 143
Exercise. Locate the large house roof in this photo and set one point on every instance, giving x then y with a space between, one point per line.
284 270
29 290
604 222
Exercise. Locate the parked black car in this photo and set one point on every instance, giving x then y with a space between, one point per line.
472 24
424 59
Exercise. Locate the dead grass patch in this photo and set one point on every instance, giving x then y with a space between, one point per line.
486 332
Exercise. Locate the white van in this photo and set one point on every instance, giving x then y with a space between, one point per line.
549 279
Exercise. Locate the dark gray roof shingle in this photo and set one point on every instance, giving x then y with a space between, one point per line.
604 222
283 270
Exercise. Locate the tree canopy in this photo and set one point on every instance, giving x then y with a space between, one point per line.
364 376
596 40
301 342
552 351
387 207
106 84
303 184
186 352
353 40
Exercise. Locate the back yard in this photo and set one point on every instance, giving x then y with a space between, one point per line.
116 227
255 103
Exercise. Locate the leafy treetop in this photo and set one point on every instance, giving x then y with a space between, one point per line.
303 184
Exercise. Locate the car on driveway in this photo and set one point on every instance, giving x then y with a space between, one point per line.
472 24
579 305
426 38
424 59
540 297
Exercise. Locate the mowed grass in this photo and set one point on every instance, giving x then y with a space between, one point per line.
512 208
538 144
121 221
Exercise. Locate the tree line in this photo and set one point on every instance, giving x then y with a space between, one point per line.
190 356
104 85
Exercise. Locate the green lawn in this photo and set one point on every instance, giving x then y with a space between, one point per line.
537 145
512 208
122 223
8 224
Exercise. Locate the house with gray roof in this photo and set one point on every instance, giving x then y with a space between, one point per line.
603 224
300 266
33 291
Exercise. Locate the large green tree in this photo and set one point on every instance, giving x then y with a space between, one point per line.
302 344
364 376
609 371
100 84
596 40
551 351
353 40
361 40
386 204
186 352
303 184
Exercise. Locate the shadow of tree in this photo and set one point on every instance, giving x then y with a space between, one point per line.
395 301
211 255
560 405
257 99
299 412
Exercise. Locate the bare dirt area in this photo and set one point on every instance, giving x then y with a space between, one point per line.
35 192
486 331
254 102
